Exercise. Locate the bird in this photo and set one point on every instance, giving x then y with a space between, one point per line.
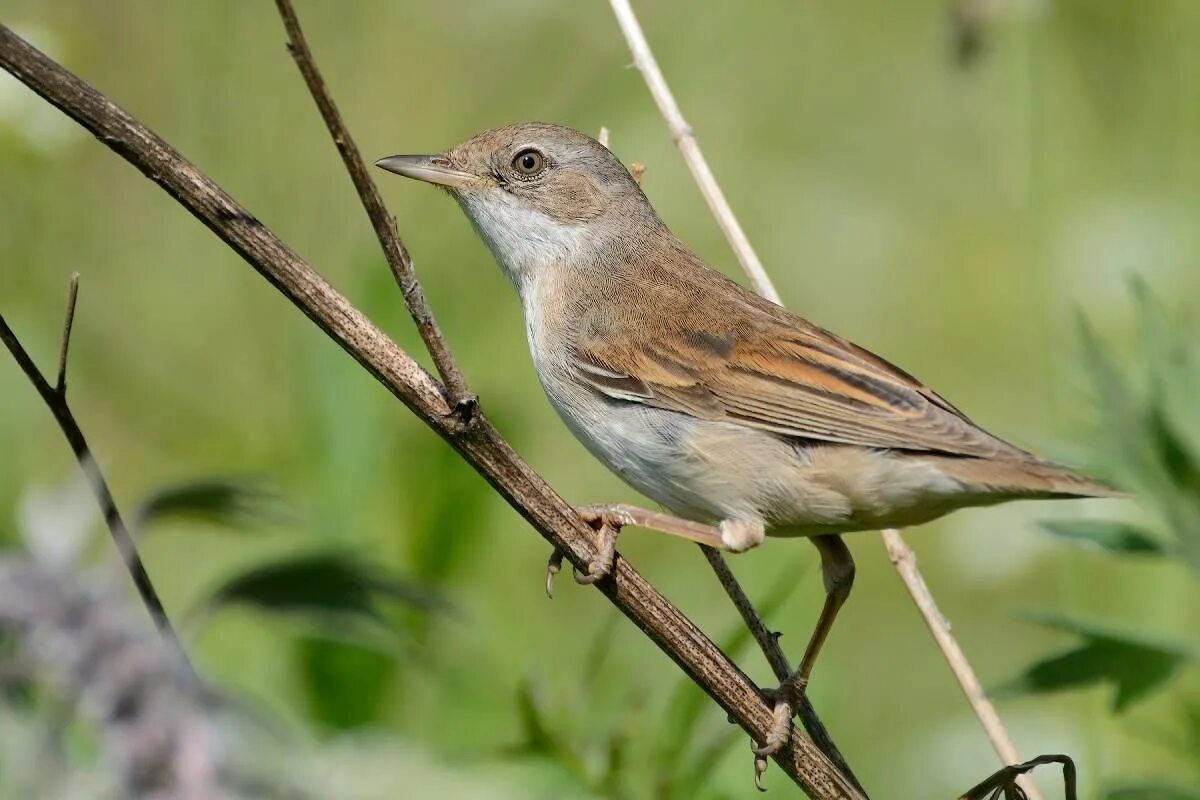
740 418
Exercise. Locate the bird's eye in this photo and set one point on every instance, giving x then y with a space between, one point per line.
529 162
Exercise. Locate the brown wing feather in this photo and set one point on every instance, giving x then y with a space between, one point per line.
793 379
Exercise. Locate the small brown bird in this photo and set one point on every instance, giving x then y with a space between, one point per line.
715 402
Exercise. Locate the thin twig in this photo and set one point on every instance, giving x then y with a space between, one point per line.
685 139
64 347
481 446
459 397
905 561
768 642
55 399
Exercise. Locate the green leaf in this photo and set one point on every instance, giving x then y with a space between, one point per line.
223 501
1111 535
326 587
1152 791
1147 440
345 682
1133 665
540 739
1173 452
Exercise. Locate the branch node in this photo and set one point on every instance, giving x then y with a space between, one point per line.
465 413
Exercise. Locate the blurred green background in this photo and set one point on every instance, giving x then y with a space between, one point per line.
953 217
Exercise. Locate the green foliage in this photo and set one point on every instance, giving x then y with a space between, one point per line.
1112 535
331 588
1134 666
218 501
346 683
1147 440
1148 430
679 746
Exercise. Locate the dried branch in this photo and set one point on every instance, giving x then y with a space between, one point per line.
905 560
460 399
479 444
55 398
685 139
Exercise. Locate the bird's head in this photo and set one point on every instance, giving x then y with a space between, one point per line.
541 196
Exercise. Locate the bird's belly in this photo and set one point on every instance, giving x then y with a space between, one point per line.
646 447
709 471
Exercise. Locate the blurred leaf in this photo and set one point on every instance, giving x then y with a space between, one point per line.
1152 791
1139 442
227 502
539 739
1132 664
345 682
1174 454
612 781
537 736
1111 535
1124 446
325 586
448 505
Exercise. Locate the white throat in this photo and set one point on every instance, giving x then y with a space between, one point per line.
526 242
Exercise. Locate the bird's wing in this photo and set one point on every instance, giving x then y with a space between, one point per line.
785 376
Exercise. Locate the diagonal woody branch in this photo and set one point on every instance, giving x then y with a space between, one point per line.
479 443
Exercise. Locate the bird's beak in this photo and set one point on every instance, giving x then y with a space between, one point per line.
431 169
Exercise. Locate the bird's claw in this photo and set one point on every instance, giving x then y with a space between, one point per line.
607 526
552 568
760 768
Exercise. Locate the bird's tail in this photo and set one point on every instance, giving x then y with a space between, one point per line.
1032 479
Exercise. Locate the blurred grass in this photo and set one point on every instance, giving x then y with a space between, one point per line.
950 219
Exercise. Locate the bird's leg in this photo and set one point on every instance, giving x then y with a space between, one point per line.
837 568
621 514
608 519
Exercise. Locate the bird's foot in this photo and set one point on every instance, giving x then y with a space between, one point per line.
787 699
607 523
781 722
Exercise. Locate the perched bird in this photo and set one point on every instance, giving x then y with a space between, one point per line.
711 400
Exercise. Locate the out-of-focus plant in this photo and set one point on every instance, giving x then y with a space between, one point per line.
1147 441
95 705
669 756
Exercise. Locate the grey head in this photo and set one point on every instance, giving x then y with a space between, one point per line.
541 196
